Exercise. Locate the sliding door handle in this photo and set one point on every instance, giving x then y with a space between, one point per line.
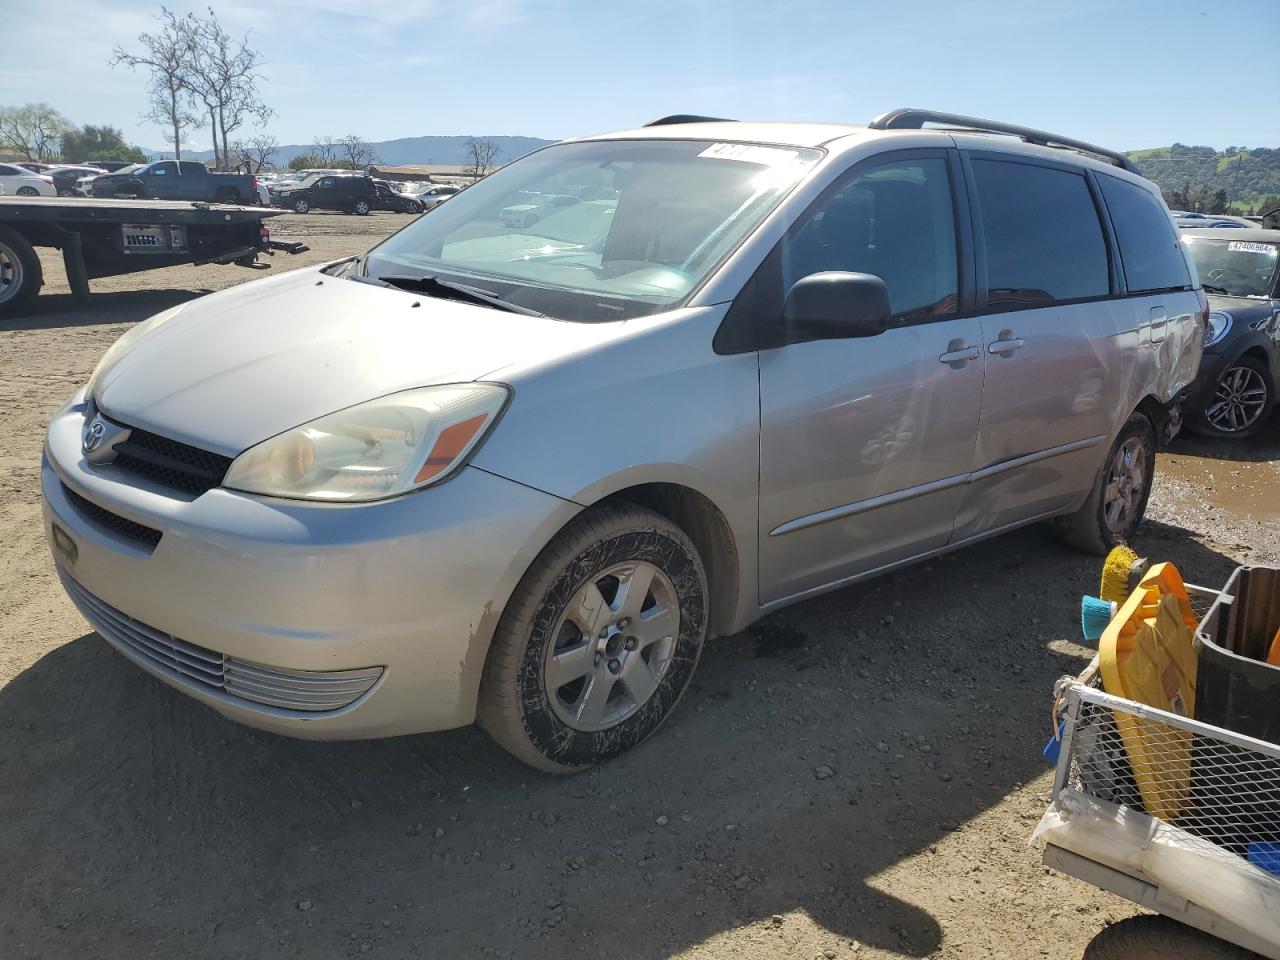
1006 344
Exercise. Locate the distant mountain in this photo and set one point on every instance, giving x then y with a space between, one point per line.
1247 178
442 150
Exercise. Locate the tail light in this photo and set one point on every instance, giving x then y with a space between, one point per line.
47 179
264 236
255 183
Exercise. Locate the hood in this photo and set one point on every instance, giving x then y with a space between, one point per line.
1244 310
236 367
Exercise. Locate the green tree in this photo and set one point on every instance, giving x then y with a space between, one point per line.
1218 203
33 131
80 144
304 161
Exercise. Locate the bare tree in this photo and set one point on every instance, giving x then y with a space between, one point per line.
34 130
229 69
481 154
166 53
356 152
326 148
256 152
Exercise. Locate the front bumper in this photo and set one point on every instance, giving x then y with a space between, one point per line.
406 590
1213 364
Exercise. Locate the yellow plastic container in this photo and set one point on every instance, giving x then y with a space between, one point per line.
1146 655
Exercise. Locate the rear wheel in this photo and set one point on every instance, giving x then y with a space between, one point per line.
598 641
20 273
1118 501
1241 402
28 192
301 206
1160 938
226 196
361 207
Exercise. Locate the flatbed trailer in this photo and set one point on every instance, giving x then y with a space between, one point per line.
105 238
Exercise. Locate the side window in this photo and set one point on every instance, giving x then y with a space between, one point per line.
190 167
7 171
163 169
1043 238
1149 249
325 183
895 221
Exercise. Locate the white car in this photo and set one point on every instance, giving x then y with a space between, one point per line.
433 195
23 183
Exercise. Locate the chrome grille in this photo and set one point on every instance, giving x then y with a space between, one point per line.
306 691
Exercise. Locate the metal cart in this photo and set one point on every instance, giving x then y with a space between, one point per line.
1178 816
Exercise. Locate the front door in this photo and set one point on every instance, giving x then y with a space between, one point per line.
865 444
1052 337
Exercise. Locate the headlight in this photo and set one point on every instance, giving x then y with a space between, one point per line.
1218 326
131 337
373 450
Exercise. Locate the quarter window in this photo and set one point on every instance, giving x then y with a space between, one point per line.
1149 250
895 221
1044 241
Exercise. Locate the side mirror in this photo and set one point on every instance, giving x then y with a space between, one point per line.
836 305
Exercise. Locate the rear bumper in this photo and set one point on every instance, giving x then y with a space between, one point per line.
409 588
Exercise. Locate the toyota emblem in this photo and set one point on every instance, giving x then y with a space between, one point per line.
94 434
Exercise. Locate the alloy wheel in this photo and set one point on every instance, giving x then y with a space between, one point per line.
612 646
1238 402
28 192
1126 485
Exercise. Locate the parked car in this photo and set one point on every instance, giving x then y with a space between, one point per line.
33 166
1236 390
171 180
432 195
389 199
23 183
528 213
353 193
66 179
110 166
440 482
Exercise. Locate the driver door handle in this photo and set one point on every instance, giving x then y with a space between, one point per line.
960 353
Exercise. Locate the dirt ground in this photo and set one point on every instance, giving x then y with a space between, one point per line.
856 776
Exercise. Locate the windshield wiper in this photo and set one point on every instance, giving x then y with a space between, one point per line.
450 290
1210 288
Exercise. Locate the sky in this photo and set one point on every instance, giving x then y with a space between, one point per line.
1122 73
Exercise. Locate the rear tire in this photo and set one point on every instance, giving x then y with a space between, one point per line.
28 192
226 196
20 273
361 207
1118 501
598 641
1160 938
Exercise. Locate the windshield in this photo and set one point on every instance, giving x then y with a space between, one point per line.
132 168
603 230
1238 268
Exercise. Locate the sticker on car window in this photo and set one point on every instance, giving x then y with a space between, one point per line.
1242 246
750 153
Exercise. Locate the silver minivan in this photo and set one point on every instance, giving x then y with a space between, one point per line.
521 475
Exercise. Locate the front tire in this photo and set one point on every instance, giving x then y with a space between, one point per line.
598 641
1241 403
301 206
1151 937
1118 501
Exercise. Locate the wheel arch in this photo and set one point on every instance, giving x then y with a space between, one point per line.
705 524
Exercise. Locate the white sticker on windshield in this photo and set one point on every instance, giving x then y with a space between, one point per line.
1243 246
750 153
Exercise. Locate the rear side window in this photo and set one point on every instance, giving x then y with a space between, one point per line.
1043 238
1149 250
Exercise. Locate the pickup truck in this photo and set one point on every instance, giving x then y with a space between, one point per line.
171 180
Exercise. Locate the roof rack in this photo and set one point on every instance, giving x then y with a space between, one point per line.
685 118
909 118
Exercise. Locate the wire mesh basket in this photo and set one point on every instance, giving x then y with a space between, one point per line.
1213 783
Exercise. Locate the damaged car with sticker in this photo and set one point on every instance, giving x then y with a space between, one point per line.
520 476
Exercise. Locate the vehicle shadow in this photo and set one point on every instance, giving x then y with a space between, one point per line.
812 754
1263 446
53 310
